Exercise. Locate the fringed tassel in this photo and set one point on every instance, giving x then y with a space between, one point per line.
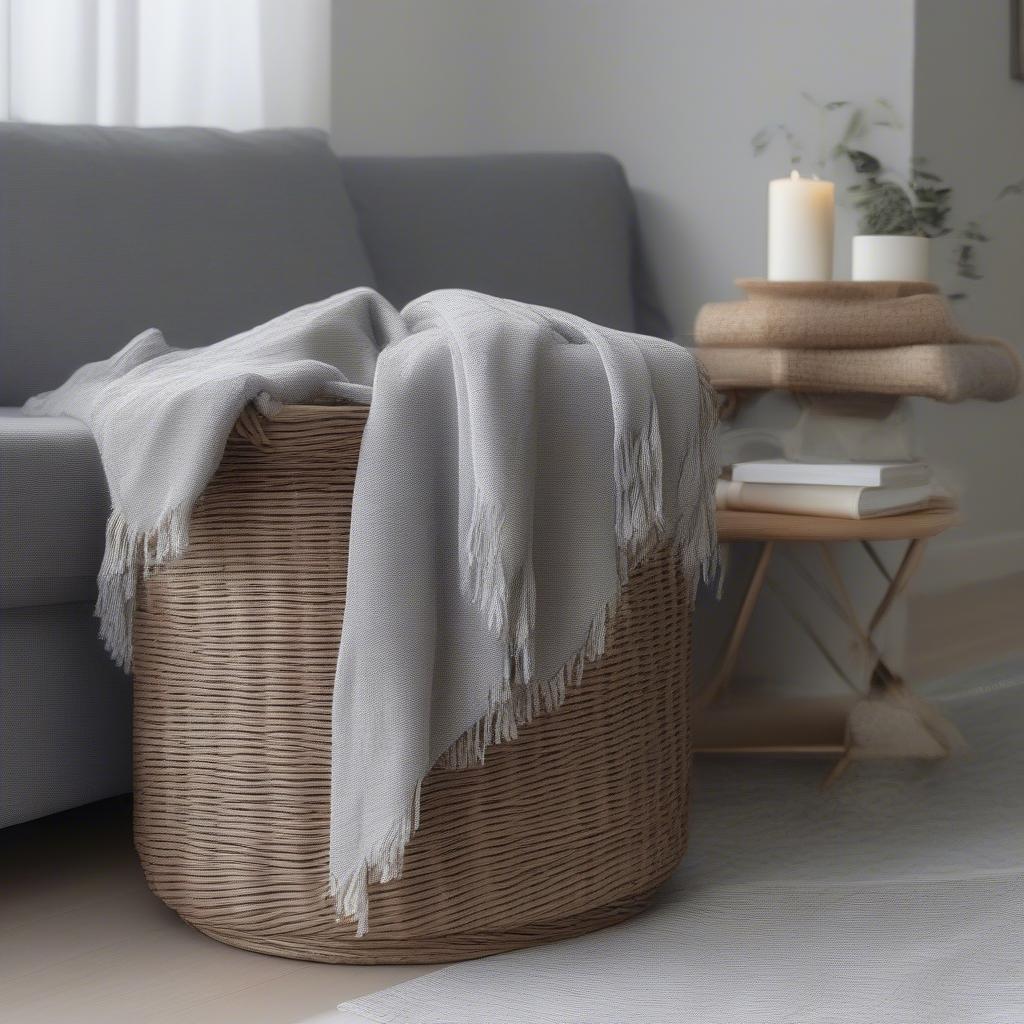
639 517
511 706
640 526
510 611
507 600
695 541
384 864
127 553
115 605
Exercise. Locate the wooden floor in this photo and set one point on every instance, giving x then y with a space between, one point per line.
958 629
83 940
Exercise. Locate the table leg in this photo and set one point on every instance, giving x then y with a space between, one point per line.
837 769
906 570
727 664
882 679
879 668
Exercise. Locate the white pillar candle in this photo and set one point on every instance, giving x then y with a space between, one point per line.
801 228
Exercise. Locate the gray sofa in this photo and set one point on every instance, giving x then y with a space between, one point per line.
105 232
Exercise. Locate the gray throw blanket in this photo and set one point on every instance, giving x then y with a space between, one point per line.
517 463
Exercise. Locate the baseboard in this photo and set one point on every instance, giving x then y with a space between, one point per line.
964 627
964 563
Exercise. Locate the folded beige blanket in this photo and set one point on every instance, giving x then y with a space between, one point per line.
829 315
984 369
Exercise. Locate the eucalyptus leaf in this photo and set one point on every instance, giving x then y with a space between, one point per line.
885 209
889 119
854 126
887 204
864 163
965 265
1015 188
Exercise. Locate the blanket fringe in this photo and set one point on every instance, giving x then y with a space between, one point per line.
128 553
509 707
509 604
383 864
519 698
639 515
695 538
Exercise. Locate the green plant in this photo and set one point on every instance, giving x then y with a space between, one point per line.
857 122
887 204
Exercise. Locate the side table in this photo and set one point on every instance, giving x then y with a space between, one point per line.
769 529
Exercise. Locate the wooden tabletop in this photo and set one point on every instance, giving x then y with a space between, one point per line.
762 526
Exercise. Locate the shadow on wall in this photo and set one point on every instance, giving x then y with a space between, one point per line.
672 284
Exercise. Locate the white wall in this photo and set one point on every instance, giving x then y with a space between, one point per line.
969 123
676 91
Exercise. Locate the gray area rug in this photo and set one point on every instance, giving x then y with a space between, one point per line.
896 897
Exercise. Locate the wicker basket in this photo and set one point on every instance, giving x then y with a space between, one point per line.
566 830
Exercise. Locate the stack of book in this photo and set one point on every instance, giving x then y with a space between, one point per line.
848 490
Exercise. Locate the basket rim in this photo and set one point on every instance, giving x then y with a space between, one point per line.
309 411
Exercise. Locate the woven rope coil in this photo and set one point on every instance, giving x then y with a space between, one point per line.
568 829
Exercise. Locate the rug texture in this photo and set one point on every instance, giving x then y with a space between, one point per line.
895 897
490 420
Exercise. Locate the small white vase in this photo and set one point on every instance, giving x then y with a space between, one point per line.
890 258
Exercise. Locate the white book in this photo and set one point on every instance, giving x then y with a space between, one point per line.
821 499
846 474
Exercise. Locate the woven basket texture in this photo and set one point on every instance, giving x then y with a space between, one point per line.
568 829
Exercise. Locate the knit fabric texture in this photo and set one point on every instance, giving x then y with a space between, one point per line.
877 337
983 369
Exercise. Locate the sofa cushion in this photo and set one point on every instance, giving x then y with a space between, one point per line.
53 509
65 714
202 233
553 229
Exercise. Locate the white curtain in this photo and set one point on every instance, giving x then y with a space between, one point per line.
227 63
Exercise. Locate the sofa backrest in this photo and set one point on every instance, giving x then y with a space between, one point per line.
202 233
553 229
105 232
